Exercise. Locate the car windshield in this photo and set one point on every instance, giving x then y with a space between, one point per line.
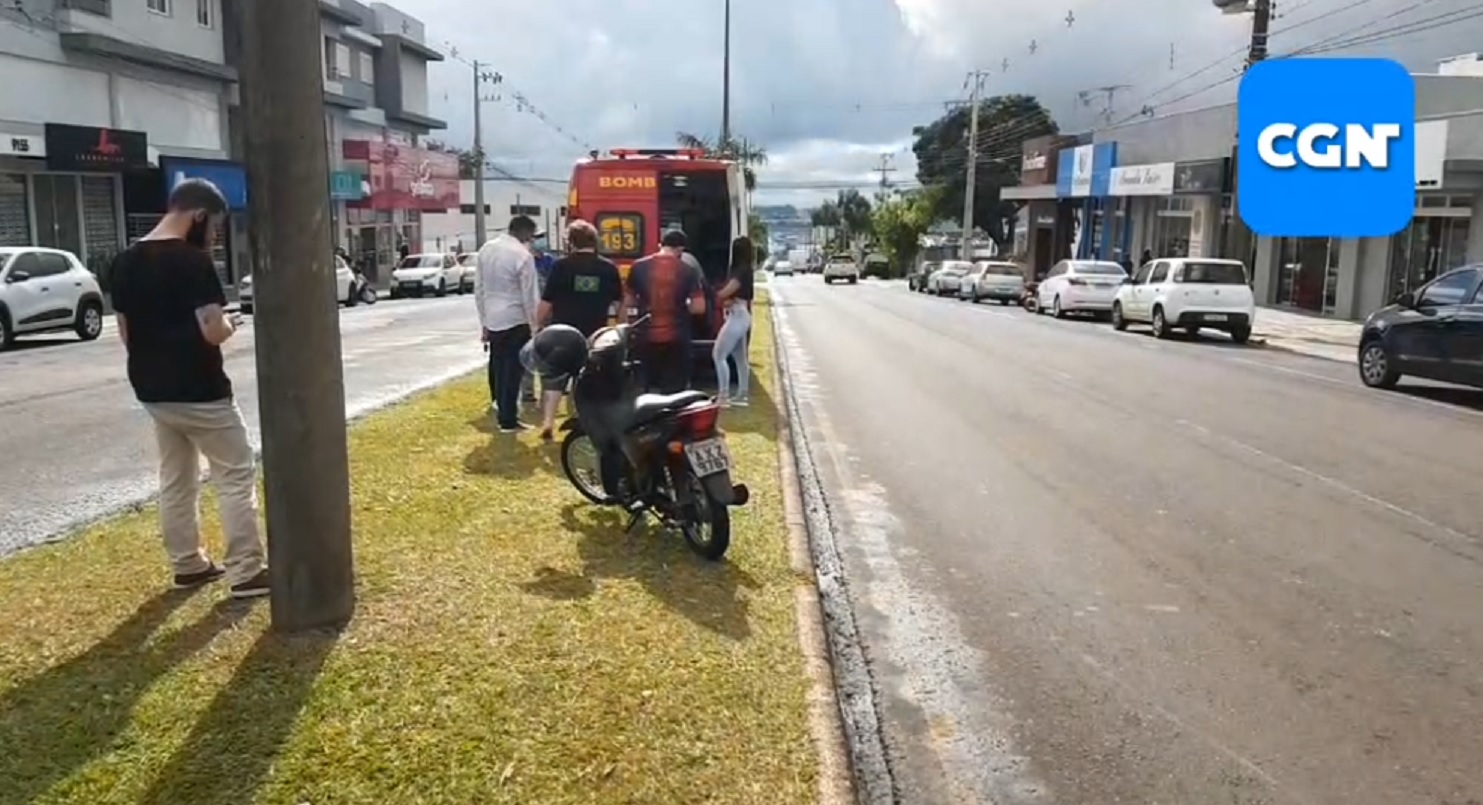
958 268
1100 269
841 258
422 261
1214 273
999 270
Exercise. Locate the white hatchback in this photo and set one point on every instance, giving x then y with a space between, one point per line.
421 274
46 290
344 287
1188 293
841 267
1079 286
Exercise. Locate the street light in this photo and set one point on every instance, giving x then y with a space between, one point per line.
726 83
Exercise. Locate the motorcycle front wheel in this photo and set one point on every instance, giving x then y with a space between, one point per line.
583 466
708 532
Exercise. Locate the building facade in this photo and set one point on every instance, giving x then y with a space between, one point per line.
543 202
101 103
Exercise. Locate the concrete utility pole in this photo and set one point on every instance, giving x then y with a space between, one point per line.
481 77
1108 92
301 387
976 79
1239 240
886 168
725 143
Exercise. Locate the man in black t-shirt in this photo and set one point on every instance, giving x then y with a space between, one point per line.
172 318
581 290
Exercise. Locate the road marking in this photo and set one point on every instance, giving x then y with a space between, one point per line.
1377 394
1332 482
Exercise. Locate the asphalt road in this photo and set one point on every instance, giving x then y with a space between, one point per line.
74 444
1092 567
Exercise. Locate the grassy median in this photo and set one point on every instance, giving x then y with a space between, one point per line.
512 645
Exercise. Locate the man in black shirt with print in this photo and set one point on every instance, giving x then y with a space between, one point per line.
581 291
172 318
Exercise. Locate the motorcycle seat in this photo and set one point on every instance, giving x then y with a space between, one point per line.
649 407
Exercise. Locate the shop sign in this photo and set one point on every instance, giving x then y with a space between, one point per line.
21 145
1204 176
84 148
1142 180
229 177
406 178
1086 170
1038 159
346 186
1034 161
1431 154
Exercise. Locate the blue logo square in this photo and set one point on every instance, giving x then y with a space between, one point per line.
1342 133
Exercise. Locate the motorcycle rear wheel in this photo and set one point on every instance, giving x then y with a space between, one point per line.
590 488
709 533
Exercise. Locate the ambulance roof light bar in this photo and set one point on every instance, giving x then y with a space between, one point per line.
656 153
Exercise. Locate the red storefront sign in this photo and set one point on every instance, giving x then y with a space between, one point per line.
405 178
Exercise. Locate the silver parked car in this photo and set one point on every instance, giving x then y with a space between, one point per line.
945 281
999 281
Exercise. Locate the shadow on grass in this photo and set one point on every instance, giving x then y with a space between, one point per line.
510 455
65 718
707 593
234 744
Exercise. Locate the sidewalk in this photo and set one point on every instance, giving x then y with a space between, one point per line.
1307 333
511 645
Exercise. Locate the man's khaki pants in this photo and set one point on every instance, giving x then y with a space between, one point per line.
185 432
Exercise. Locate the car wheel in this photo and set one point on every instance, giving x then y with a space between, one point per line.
1118 322
89 322
1159 324
7 336
1055 308
1241 335
442 288
854 280
350 296
1375 367
1003 303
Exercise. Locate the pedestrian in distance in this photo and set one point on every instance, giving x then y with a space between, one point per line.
1146 258
171 312
667 290
581 290
735 301
507 294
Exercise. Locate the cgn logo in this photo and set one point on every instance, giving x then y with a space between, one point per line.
1327 148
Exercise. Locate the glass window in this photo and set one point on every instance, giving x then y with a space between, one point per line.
1160 273
27 262
50 265
1056 270
158 6
1141 277
620 234
1101 269
15 210
1451 289
367 68
1213 274
204 17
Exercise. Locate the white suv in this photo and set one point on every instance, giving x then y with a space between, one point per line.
46 290
1188 293
841 267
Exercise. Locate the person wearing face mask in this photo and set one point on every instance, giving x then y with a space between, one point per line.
172 318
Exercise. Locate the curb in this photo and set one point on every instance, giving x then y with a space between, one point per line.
1266 343
854 766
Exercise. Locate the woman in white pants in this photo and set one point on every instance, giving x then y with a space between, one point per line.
735 299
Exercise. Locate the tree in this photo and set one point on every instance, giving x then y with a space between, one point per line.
468 158
899 223
749 154
826 214
757 231
848 213
941 148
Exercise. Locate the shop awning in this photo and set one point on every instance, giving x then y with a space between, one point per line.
1034 192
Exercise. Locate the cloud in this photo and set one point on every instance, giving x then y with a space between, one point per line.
827 85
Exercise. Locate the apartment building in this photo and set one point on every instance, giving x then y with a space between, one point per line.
101 101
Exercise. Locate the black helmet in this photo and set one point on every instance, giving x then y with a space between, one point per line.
559 350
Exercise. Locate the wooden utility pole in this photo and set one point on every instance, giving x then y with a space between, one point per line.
885 169
976 78
301 386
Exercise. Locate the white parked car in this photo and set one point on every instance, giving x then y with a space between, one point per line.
422 274
344 287
1002 282
47 290
841 267
1080 286
782 268
469 262
946 280
1188 293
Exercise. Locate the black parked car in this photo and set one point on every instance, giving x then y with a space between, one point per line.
1435 333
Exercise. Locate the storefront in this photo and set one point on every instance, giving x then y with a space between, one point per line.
401 183
1143 193
147 193
1084 175
62 189
1044 241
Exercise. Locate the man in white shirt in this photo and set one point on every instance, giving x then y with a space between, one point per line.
508 294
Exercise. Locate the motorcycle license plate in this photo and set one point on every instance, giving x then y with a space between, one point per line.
708 457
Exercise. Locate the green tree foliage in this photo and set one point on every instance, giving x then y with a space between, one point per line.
757 231
941 148
468 158
751 155
899 222
848 212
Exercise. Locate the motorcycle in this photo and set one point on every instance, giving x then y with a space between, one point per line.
659 454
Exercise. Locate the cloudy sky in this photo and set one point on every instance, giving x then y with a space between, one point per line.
827 86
